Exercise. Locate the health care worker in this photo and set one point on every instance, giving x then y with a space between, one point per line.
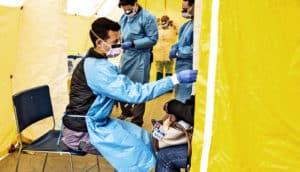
167 36
96 85
139 34
183 50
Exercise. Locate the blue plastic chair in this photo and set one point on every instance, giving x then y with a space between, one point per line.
31 106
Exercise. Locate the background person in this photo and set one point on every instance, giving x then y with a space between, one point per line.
139 35
183 50
167 36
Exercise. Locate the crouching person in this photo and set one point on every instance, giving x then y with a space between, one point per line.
96 85
173 158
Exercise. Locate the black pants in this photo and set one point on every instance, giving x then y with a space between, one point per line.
135 111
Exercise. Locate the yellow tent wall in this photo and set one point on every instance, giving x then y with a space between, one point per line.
165 7
42 52
256 120
35 42
255 124
9 22
78 43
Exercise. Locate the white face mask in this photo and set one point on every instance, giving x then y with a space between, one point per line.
131 13
186 15
164 24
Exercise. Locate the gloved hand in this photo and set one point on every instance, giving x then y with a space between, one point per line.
126 45
173 52
187 76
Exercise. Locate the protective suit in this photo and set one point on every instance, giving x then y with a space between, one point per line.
115 139
167 36
142 30
184 59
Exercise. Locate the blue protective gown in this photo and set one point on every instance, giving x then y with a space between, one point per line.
184 59
142 30
127 147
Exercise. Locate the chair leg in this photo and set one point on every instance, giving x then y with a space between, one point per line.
45 160
71 163
18 160
98 165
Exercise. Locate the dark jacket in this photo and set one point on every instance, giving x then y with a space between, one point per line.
81 96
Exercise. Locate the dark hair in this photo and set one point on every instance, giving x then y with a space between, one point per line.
101 26
165 17
126 2
191 2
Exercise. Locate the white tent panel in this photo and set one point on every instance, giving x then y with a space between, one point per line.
83 7
111 9
88 8
42 50
12 3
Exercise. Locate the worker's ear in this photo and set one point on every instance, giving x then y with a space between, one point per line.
191 11
98 42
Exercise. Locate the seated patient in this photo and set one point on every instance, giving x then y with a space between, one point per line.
173 158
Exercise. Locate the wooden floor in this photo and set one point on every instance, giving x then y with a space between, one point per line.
60 163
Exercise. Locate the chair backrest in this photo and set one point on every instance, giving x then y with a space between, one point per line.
32 105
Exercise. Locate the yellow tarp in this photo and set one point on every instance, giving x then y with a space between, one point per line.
35 42
256 122
9 37
33 51
257 87
78 37
172 8
79 43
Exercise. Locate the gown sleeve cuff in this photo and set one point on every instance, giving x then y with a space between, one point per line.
174 79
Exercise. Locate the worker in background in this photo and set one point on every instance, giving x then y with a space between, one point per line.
139 34
182 51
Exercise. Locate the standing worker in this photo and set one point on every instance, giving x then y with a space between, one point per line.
183 50
139 34
167 35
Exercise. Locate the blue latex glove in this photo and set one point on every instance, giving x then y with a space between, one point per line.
173 52
126 45
187 76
